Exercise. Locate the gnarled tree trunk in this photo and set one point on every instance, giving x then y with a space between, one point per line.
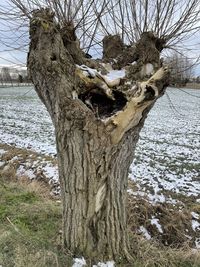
97 125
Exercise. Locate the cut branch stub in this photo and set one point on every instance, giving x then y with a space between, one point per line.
72 43
112 47
50 65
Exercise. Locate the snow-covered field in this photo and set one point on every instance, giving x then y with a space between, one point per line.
168 153
25 121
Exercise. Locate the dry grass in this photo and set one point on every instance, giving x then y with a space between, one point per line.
14 157
152 254
176 224
36 258
12 151
193 85
9 173
196 207
34 186
176 220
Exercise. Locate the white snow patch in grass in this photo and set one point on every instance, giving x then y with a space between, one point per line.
1 163
21 171
195 225
79 262
145 233
155 221
107 264
197 243
14 158
51 171
2 151
153 198
195 215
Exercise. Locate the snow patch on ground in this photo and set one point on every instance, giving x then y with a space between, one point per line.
195 225
22 171
51 171
153 198
2 151
80 262
32 166
144 232
197 243
107 264
155 221
167 155
24 121
195 215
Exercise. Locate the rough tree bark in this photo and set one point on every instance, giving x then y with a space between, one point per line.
97 125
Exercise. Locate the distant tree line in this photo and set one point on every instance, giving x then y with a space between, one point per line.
197 80
13 76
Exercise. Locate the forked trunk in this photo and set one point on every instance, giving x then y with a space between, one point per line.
97 125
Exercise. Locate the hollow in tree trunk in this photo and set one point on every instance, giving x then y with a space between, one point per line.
97 124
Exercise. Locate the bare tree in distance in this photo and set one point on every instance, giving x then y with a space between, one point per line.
5 74
181 68
97 120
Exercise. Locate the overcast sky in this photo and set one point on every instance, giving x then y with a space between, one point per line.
10 41
12 50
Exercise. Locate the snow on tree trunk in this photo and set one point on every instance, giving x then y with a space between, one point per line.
97 123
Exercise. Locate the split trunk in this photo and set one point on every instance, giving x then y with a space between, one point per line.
97 125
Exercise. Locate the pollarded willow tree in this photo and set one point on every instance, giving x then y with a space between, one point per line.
97 117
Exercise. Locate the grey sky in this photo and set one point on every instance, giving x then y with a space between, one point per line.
10 41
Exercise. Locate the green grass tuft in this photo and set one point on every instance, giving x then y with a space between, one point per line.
30 229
